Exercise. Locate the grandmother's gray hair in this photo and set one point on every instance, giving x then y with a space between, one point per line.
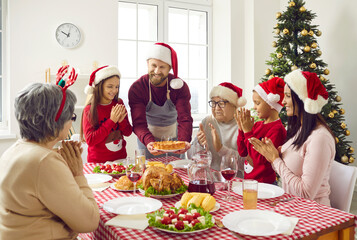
36 107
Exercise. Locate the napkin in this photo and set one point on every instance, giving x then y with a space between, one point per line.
293 222
98 187
138 221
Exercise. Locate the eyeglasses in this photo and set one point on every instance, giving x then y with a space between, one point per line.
221 104
74 117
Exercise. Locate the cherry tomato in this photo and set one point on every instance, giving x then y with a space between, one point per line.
179 225
196 215
188 218
194 222
172 216
170 211
166 220
182 211
102 167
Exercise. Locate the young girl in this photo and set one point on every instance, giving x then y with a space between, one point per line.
104 119
304 163
267 98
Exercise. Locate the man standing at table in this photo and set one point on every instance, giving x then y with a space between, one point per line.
160 102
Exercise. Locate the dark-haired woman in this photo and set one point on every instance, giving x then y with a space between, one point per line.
304 161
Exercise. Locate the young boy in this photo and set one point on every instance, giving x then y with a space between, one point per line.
267 98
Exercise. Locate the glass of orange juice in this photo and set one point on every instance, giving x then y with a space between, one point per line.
250 194
140 155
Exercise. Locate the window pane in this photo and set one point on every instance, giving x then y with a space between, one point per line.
198 89
182 58
178 25
198 62
0 99
0 53
124 89
198 27
143 48
147 19
127 58
127 20
0 15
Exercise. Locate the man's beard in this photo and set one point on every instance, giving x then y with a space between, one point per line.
157 81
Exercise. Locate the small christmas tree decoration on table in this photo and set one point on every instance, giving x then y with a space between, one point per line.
296 47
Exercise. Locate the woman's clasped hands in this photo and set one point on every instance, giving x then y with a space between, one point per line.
118 113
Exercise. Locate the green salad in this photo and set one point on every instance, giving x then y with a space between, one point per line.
153 191
180 219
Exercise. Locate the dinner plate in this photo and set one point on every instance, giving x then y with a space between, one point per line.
121 190
265 190
256 222
184 163
97 178
132 205
216 207
142 191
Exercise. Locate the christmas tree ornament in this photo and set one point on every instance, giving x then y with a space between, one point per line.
314 45
267 71
351 160
274 44
294 67
286 31
312 65
291 4
338 99
331 115
277 31
279 55
352 149
271 76
318 33
326 71
344 159
343 125
334 111
278 14
337 140
307 49
277 25
304 32
322 78
302 9
347 133
311 33
319 52
342 111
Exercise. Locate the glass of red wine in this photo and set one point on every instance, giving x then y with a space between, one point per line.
229 168
134 170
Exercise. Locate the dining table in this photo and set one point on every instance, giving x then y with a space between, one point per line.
315 221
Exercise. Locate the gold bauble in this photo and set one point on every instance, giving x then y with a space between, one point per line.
342 111
313 65
291 4
271 76
277 31
344 159
343 125
319 52
334 111
304 32
286 31
326 71
267 71
294 67
302 9
318 33
352 149
279 55
278 14
331 115
307 49
314 45
351 160
311 33
337 140
347 132
322 78
274 44
338 99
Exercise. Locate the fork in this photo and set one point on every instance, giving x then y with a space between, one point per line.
273 204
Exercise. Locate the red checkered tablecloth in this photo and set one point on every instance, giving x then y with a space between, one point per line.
313 217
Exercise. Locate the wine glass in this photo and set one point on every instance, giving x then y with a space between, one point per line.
229 168
134 170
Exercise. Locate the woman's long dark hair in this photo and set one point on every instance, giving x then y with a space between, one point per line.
306 120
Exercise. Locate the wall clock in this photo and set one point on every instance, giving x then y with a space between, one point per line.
68 35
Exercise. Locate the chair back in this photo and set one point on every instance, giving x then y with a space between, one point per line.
76 137
342 182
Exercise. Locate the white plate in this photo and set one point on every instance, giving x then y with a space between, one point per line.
265 190
256 222
132 205
184 163
121 190
159 196
97 178
216 207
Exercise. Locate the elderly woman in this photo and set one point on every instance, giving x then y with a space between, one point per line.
43 193
219 131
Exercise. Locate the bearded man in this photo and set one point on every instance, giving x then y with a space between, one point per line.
160 102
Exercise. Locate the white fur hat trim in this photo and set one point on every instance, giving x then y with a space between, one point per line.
160 52
271 99
100 75
176 83
228 94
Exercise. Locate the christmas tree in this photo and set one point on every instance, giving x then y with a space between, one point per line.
297 47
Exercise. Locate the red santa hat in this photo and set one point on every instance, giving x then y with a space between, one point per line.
309 88
230 92
167 54
272 92
100 74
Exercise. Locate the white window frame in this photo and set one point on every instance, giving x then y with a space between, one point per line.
4 126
